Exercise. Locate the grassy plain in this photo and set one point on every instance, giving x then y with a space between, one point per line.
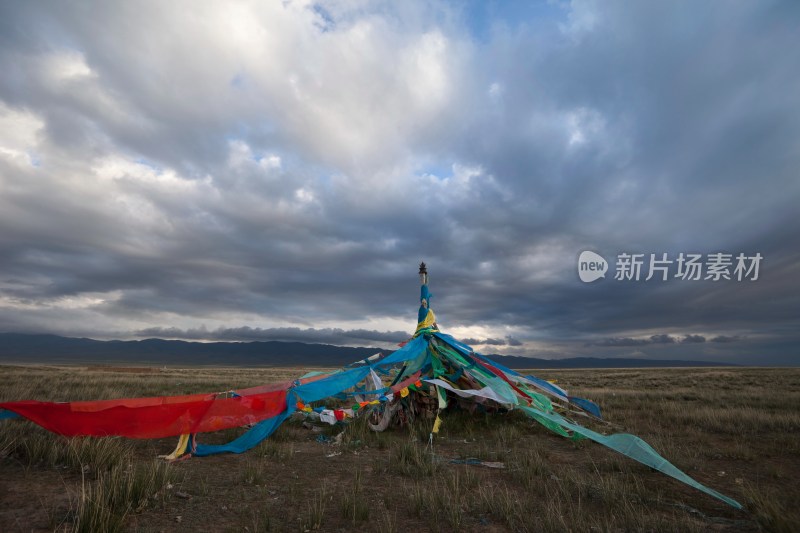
735 430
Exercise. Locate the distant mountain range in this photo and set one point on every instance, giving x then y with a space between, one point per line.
53 349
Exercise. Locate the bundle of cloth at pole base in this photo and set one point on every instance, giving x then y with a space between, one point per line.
430 371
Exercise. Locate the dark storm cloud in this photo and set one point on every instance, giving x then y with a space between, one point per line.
335 336
279 169
653 339
508 341
627 341
693 339
726 338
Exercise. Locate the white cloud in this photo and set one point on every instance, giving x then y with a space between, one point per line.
65 66
278 163
584 125
495 92
19 135
583 17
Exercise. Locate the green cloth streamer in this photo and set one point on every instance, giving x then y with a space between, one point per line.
629 446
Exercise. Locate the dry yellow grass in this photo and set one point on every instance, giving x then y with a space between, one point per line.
736 430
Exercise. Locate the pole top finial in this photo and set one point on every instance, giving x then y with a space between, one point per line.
422 268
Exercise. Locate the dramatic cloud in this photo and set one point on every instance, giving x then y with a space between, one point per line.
335 336
693 339
508 341
725 338
276 170
653 339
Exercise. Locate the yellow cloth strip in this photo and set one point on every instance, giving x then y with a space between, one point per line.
436 425
180 449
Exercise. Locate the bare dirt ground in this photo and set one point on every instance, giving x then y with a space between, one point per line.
735 430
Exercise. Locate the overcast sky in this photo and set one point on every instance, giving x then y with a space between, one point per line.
276 170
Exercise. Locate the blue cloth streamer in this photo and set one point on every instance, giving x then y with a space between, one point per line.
458 345
408 352
583 403
587 405
248 440
330 386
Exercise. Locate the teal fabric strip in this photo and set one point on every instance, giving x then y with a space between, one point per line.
336 383
406 353
248 440
633 447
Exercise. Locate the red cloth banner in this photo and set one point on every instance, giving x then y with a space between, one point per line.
152 418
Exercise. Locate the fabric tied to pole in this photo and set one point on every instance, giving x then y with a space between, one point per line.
486 392
151 418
